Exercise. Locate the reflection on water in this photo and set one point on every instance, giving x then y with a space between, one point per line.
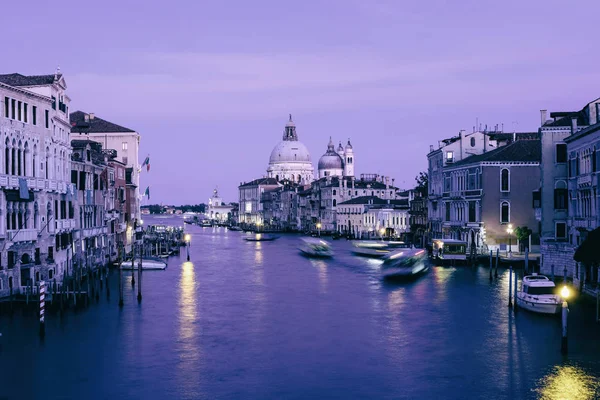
441 278
189 352
568 382
321 266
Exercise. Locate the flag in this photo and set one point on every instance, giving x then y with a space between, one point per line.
146 163
147 192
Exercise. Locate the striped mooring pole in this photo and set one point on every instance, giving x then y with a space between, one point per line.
42 306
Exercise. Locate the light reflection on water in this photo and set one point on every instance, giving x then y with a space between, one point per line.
568 382
321 266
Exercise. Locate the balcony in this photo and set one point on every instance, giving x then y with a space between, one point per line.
585 223
453 223
23 235
65 224
584 181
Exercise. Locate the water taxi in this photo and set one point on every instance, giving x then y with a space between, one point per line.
261 237
538 294
316 248
376 249
450 250
148 263
405 263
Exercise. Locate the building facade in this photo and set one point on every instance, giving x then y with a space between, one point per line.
36 222
369 217
217 210
250 200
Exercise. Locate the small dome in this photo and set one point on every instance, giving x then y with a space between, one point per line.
349 146
330 160
340 148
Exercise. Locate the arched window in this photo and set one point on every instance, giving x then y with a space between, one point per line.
560 195
19 159
25 158
7 157
472 142
299 178
505 212
13 170
334 192
33 160
505 180
277 177
334 202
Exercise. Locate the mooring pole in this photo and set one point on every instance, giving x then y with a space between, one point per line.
552 272
42 311
497 261
510 286
515 294
526 260
565 275
491 261
139 296
564 344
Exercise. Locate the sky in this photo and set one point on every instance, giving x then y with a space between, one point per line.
209 84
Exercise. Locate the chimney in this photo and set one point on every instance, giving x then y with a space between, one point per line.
86 118
485 142
430 148
573 125
393 179
92 116
543 115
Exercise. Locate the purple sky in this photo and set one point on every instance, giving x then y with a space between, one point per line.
209 85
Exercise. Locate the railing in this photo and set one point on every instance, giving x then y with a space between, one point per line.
474 192
585 180
584 222
23 235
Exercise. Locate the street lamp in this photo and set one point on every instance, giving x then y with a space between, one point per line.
564 293
188 239
509 230
382 232
319 228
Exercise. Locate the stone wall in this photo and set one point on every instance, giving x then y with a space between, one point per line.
559 254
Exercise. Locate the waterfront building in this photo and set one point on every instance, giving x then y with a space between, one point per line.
418 216
290 159
250 195
117 185
36 222
94 243
483 194
555 201
372 217
583 149
112 136
218 211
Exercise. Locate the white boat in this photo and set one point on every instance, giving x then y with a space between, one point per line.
147 264
375 249
261 237
538 294
405 263
312 247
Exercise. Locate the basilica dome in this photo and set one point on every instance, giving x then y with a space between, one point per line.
330 163
290 159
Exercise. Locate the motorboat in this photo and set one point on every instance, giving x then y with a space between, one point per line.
538 294
316 248
234 228
450 250
261 237
148 263
405 263
375 249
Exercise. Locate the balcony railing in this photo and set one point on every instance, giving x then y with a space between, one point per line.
585 222
585 180
23 235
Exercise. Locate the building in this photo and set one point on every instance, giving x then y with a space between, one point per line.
218 211
583 150
418 216
336 163
117 186
94 243
36 197
250 204
372 217
484 193
112 136
290 158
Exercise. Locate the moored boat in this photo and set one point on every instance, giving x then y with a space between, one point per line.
405 263
316 248
148 263
538 294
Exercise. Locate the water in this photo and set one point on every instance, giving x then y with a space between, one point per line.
258 321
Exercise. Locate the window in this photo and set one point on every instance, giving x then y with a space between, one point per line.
472 142
125 160
561 153
334 202
560 230
449 156
594 161
6 107
34 115
124 145
13 104
537 199
505 180
25 112
19 110
472 211
47 118
334 192
504 212
560 195
447 184
447 211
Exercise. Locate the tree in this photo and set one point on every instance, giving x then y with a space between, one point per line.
422 183
522 233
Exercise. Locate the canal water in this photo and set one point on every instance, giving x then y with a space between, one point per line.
249 320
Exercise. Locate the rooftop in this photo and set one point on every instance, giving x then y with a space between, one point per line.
93 124
260 181
374 200
33 80
522 151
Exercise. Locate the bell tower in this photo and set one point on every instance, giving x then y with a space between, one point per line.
348 160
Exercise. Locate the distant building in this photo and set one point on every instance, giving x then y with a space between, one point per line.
373 217
217 210
290 159
250 196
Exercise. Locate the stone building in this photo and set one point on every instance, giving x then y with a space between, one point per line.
369 217
218 211
36 197
290 159
484 193
250 204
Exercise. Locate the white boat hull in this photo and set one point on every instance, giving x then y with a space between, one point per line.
146 265
404 272
537 306
313 253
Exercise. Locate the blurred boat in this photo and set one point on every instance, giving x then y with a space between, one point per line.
261 237
405 263
376 249
316 248
234 228
148 263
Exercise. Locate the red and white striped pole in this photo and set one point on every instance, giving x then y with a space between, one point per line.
42 306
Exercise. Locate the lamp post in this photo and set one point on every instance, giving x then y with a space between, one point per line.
564 293
319 229
382 232
187 241
509 230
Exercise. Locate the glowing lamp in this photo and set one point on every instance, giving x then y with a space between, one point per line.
565 292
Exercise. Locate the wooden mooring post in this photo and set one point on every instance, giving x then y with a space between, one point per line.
497 261
42 309
510 286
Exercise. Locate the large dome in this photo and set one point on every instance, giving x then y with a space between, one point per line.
331 161
288 152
